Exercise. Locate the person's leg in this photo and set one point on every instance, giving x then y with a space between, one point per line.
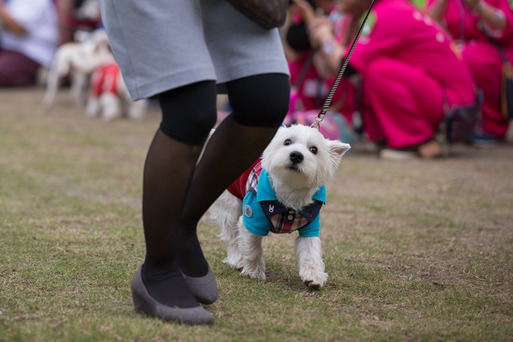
406 104
188 115
485 64
259 105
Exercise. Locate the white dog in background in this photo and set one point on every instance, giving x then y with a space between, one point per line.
283 193
109 97
78 60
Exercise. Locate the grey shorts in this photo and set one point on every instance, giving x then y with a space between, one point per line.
164 44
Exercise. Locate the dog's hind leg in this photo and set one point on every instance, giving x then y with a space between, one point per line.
309 259
225 212
250 246
79 87
92 107
52 83
110 106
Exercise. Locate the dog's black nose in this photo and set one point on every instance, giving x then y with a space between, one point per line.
296 157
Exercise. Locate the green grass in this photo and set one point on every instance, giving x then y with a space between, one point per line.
416 251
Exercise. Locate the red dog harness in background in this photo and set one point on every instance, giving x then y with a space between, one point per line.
105 80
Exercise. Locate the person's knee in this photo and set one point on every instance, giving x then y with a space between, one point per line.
9 78
189 112
261 101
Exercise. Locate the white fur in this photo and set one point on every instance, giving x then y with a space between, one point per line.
111 106
294 184
78 60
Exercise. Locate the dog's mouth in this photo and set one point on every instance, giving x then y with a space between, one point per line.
294 167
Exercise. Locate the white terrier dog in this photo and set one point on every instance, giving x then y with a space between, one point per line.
282 194
78 60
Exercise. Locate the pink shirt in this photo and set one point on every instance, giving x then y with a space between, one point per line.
311 89
395 29
463 25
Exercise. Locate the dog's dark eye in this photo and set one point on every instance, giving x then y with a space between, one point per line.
287 142
313 149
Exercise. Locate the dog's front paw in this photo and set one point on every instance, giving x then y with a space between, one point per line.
254 271
313 285
234 262
315 281
256 275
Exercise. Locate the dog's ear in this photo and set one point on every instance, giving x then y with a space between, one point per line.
336 150
338 147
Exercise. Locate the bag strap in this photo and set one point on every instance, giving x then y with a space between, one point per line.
334 86
302 75
304 70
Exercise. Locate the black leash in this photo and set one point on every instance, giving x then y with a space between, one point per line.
328 100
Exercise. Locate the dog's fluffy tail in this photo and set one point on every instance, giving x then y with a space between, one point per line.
225 213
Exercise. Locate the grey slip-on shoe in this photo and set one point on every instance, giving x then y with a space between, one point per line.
203 288
145 304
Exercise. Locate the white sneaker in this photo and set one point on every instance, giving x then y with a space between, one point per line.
389 154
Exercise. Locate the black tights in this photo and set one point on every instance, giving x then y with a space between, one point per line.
177 191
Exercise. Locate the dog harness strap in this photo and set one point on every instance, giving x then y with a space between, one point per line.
105 80
239 187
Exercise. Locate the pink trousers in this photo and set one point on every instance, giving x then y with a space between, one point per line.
485 64
17 70
403 105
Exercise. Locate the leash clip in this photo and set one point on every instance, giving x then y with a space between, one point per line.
318 120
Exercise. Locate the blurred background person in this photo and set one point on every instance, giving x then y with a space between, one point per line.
469 22
28 40
412 74
76 15
310 86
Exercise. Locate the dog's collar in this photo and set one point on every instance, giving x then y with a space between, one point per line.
265 191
